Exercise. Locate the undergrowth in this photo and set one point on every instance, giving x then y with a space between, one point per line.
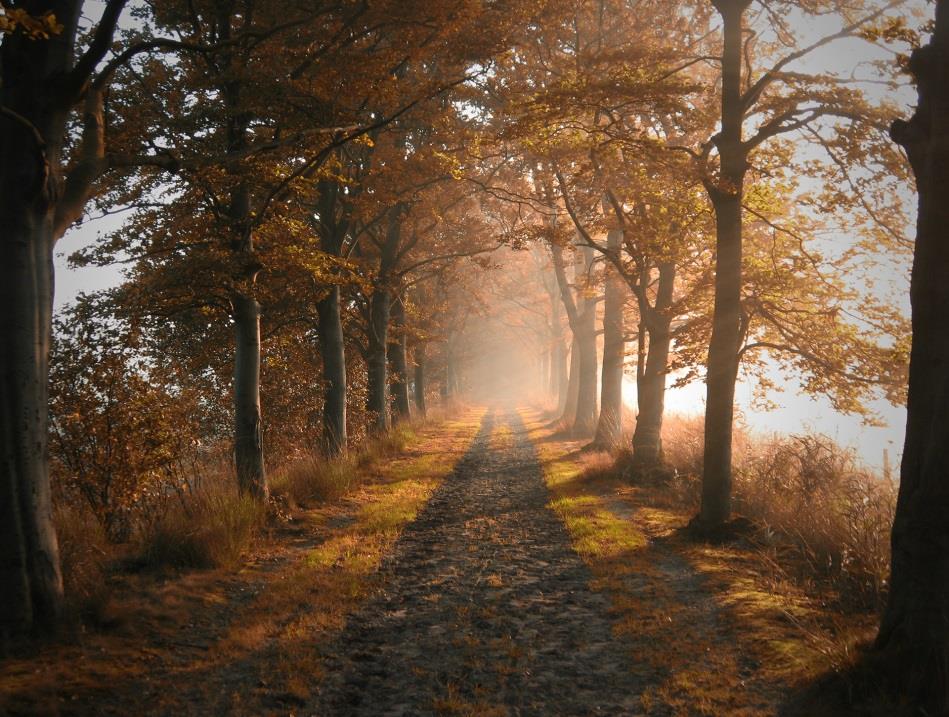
822 516
212 527
313 478
204 524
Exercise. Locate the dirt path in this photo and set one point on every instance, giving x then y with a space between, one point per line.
489 571
486 608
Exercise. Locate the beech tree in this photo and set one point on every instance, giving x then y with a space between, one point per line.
757 106
914 631
45 75
657 243
598 86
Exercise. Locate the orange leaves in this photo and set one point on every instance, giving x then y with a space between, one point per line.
40 27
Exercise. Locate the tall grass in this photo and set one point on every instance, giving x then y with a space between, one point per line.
312 478
83 549
836 512
207 523
819 511
213 526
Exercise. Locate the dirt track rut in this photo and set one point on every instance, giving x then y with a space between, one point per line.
485 607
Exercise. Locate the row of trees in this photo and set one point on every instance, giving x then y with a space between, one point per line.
297 156
615 131
315 189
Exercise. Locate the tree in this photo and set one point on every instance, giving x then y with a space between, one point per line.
914 631
724 163
598 86
42 81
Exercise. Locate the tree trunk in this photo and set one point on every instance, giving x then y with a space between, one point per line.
380 306
585 422
377 405
580 409
31 586
37 102
569 415
726 196
545 363
399 362
561 374
419 359
248 435
914 633
332 227
558 386
333 352
647 438
448 389
609 427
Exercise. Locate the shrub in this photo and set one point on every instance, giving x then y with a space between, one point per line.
118 431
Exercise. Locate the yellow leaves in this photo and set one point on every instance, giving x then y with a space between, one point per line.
451 164
36 28
893 30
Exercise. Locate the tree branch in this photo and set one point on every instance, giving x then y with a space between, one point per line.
79 76
88 168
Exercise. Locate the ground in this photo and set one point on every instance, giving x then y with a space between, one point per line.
491 570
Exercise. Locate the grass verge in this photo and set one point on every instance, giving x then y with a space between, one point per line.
243 639
711 630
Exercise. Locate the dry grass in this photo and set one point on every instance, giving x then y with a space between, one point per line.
808 492
209 525
712 629
823 517
83 551
313 478
213 527
178 642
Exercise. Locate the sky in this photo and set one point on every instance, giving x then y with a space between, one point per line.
798 413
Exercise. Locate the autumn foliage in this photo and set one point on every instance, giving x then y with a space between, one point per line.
335 215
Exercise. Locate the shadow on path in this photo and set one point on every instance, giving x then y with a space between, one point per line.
486 608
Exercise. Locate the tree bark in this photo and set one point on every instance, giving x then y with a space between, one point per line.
399 364
651 383
914 633
450 387
569 415
726 195
559 379
585 422
609 427
419 359
377 403
380 305
248 427
248 434
545 364
332 227
333 352
580 409
561 373
37 92
30 581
